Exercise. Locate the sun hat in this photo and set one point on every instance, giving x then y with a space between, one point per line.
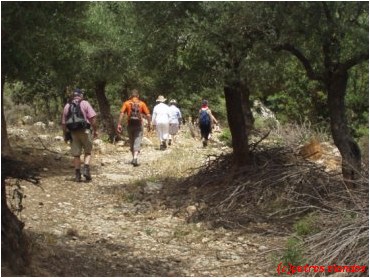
161 99
173 101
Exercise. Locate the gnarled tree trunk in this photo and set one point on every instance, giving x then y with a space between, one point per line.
14 246
348 148
14 243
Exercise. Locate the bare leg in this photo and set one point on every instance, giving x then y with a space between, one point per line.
135 154
86 171
77 165
87 159
77 162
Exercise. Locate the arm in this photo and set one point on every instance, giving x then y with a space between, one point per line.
148 118
214 120
179 117
212 117
154 116
94 126
64 117
119 126
123 110
146 112
66 134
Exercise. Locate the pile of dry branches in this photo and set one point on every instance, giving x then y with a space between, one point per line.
279 185
344 239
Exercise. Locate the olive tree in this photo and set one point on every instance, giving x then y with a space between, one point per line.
328 39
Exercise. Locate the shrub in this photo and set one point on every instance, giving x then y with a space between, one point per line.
225 136
293 253
307 225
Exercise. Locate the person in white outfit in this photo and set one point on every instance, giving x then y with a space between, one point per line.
175 121
161 121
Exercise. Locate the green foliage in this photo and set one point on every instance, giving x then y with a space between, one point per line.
149 231
298 98
293 253
225 136
39 50
357 100
186 51
38 37
363 143
13 109
307 225
103 48
181 232
261 123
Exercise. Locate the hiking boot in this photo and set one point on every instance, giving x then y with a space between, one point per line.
163 146
169 142
205 143
86 172
78 175
134 162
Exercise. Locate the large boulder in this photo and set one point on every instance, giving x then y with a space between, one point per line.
266 116
260 110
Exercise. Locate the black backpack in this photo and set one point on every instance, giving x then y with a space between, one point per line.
75 117
135 115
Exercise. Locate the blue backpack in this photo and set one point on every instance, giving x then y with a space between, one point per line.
204 118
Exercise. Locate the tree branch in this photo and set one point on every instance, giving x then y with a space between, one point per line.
305 62
354 61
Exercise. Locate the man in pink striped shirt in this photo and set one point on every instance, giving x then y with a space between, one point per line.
82 135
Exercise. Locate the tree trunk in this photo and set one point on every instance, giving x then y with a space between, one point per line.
247 112
14 243
348 148
235 116
14 247
106 116
6 149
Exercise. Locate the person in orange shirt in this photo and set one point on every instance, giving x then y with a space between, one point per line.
134 108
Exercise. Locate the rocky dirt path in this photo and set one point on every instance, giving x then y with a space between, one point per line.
117 224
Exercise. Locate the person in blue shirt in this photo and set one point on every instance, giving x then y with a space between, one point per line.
175 121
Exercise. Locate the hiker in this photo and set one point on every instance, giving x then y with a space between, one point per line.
134 108
78 119
161 121
206 121
175 121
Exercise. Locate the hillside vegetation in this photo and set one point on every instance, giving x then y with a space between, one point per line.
186 211
284 183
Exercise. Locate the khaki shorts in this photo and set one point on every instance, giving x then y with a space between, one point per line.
81 139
